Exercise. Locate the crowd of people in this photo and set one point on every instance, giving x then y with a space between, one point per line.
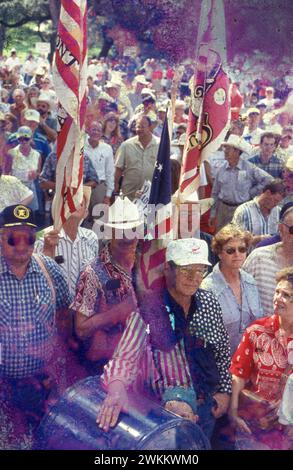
214 343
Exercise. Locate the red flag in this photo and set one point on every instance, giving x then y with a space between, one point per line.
209 112
70 74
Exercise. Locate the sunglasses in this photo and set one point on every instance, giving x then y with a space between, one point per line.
289 227
15 240
232 251
24 139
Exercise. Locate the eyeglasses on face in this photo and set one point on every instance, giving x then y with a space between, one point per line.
232 250
15 239
24 139
289 227
191 272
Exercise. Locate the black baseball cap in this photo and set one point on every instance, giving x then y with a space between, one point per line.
17 215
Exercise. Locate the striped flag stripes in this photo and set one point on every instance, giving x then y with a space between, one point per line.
69 74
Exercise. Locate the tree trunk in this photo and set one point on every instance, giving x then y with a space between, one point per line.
107 44
2 38
54 6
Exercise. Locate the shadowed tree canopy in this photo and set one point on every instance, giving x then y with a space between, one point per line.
169 27
16 13
166 28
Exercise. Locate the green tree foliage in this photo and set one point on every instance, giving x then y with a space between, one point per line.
17 13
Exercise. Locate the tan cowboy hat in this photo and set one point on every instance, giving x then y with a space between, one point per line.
45 97
237 142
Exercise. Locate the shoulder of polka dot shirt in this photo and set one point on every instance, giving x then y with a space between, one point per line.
206 297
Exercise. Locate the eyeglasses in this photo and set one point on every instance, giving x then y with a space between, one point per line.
24 139
232 251
289 227
112 119
191 272
15 240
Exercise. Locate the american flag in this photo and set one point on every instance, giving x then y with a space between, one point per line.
159 223
70 73
209 113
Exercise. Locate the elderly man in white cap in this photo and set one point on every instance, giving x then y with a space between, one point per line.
181 336
105 294
236 181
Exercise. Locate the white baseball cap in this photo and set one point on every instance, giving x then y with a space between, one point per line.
187 251
32 115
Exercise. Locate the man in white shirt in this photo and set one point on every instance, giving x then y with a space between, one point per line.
101 156
252 132
269 100
12 61
73 245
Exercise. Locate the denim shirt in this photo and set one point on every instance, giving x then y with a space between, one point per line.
236 317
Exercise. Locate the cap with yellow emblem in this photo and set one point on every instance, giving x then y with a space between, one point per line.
13 216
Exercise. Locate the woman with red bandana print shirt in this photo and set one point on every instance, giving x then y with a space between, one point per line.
260 364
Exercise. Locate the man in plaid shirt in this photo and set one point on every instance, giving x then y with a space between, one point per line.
32 289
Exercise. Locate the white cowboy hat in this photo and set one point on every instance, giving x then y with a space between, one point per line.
123 214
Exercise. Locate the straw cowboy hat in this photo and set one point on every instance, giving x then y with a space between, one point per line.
237 142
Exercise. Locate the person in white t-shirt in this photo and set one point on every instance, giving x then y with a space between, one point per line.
101 156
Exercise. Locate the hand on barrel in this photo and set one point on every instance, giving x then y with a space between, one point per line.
114 403
181 408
